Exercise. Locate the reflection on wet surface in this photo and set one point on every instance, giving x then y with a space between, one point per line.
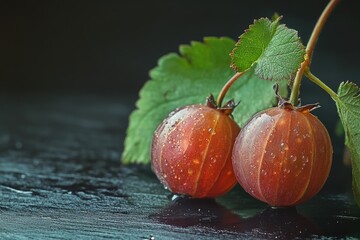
269 223
186 212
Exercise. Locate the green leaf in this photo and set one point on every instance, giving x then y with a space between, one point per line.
348 105
188 78
274 51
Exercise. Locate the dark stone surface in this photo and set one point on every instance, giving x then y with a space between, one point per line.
61 178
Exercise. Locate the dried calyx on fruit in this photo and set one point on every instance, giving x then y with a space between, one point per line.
283 155
191 150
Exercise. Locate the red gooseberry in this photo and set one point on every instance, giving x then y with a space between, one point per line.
283 155
192 148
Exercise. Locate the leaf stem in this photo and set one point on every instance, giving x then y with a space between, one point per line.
227 86
318 82
310 49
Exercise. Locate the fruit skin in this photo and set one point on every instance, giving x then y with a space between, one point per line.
191 151
283 155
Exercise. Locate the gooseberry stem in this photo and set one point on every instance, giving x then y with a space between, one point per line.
227 86
310 49
318 82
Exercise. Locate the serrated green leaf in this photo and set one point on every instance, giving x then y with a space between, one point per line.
274 51
348 105
188 78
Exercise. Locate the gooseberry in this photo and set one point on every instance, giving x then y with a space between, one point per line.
191 150
283 155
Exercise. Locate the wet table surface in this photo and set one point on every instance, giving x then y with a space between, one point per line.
61 178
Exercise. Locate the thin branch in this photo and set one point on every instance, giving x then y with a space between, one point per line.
295 91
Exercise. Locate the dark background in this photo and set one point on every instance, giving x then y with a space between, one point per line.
109 46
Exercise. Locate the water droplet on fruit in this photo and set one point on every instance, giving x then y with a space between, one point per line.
305 160
307 135
284 146
287 171
293 158
272 155
210 129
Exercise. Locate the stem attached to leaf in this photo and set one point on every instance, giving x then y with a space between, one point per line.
227 86
310 49
318 82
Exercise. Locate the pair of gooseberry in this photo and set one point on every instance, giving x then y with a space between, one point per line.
282 156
